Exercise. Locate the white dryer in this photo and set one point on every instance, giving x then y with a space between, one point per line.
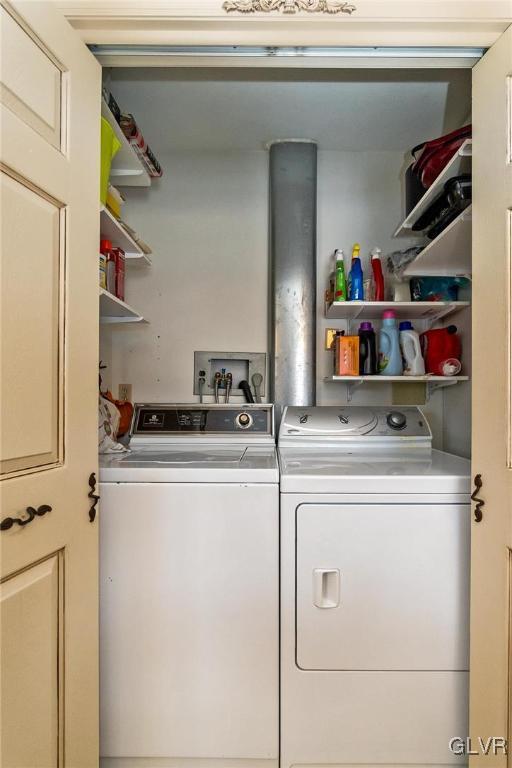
189 590
375 529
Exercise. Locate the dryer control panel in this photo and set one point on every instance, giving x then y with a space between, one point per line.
361 425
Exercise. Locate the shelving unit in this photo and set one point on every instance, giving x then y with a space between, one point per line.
127 170
432 311
113 310
449 253
459 164
432 382
111 228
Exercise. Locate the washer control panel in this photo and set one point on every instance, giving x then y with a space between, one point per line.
161 419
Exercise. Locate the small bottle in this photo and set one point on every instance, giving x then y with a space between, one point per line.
378 276
367 350
412 358
340 288
356 288
110 267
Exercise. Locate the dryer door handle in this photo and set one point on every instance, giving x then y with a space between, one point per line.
326 587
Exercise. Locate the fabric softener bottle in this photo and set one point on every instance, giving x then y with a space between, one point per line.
367 350
390 356
356 289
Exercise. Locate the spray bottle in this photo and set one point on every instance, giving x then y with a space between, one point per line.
356 289
340 289
378 276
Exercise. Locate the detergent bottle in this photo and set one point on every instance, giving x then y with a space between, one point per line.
412 358
390 357
367 350
355 280
340 289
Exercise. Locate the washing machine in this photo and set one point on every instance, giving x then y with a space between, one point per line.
189 590
375 543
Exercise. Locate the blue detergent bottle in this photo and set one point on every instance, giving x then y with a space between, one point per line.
355 278
390 355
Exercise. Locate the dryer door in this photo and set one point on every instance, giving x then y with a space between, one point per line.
382 586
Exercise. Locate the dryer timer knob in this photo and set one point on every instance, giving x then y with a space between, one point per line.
396 420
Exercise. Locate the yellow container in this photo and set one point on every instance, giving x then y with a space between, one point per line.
110 144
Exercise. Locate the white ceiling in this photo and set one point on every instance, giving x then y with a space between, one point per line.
244 110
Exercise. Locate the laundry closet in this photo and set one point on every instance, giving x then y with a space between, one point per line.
204 287
266 176
278 556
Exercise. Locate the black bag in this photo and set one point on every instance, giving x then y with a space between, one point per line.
456 196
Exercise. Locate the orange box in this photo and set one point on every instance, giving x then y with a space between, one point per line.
346 356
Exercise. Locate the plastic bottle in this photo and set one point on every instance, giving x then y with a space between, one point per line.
378 275
340 289
390 357
110 267
356 289
367 350
412 358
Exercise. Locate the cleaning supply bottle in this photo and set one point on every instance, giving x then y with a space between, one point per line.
412 358
340 288
356 289
367 350
378 275
390 357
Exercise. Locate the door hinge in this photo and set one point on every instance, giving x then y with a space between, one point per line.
479 502
95 498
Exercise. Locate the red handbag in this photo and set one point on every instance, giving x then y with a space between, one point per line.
436 154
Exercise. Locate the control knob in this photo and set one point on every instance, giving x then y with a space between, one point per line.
244 420
396 420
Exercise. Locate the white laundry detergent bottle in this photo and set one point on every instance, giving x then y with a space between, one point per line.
413 362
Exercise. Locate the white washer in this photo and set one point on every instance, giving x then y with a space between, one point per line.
375 529
189 589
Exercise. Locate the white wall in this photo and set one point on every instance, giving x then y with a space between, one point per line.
207 223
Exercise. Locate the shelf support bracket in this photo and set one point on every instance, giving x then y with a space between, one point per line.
433 386
351 387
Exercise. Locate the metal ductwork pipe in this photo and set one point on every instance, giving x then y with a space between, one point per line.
293 183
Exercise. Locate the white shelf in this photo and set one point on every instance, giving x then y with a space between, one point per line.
459 164
112 229
432 383
405 310
113 310
449 253
127 170
393 379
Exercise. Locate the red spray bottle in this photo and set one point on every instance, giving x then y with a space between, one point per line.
378 276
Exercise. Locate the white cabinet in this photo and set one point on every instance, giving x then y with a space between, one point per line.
189 620
382 586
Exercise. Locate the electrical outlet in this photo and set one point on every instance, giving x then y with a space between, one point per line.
125 392
330 333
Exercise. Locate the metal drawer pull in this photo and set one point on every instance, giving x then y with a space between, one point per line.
95 498
479 502
32 513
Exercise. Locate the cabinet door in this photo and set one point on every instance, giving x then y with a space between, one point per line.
491 553
49 177
189 638
382 587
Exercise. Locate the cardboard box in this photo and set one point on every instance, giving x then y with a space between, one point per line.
346 356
